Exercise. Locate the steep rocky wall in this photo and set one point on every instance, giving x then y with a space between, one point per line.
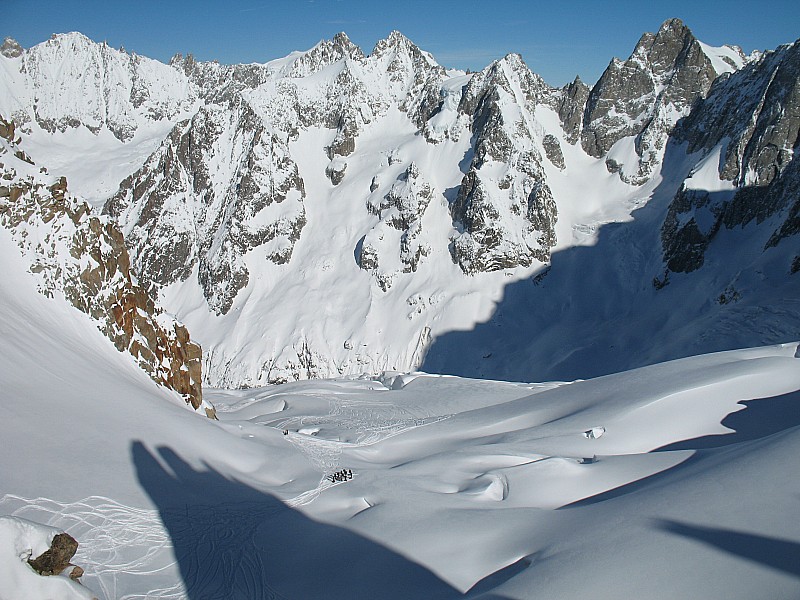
84 257
645 95
219 186
752 119
509 222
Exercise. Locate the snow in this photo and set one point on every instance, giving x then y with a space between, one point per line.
94 164
588 195
705 175
724 59
21 540
181 506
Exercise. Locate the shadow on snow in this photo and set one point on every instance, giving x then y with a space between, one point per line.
233 541
778 554
595 310
761 418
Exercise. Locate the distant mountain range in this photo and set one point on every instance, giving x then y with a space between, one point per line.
335 213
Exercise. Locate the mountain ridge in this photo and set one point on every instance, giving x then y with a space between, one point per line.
397 199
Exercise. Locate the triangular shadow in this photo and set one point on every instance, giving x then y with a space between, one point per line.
761 418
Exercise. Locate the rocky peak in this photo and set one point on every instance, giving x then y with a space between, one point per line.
659 52
509 74
71 81
677 62
11 48
185 64
645 95
397 43
752 120
346 46
413 78
504 210
403 59
569 103
326 52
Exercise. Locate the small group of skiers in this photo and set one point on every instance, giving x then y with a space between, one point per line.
343 475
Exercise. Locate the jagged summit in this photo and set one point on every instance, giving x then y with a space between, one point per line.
325 53
70 81
347 47
397 42
644 96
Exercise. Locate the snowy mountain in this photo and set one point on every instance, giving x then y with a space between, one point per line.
745 132
361 217
71 81
640 100
333 212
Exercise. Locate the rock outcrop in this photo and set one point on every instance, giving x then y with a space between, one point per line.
413 77
646 94
83 257
57 558
569 103
393 246
748 126
505 210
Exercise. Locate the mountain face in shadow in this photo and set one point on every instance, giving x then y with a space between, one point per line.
232 541
611 307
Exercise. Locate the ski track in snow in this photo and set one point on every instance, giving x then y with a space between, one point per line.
113 537
368 422
120 544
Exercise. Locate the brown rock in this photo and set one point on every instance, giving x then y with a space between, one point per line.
102 287
57 557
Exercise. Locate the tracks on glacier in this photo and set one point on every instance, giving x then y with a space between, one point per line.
366 421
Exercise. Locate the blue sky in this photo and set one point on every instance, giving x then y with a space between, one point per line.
557 40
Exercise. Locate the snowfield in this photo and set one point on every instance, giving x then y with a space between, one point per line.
670 481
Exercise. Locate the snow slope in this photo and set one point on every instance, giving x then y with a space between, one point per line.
461 488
